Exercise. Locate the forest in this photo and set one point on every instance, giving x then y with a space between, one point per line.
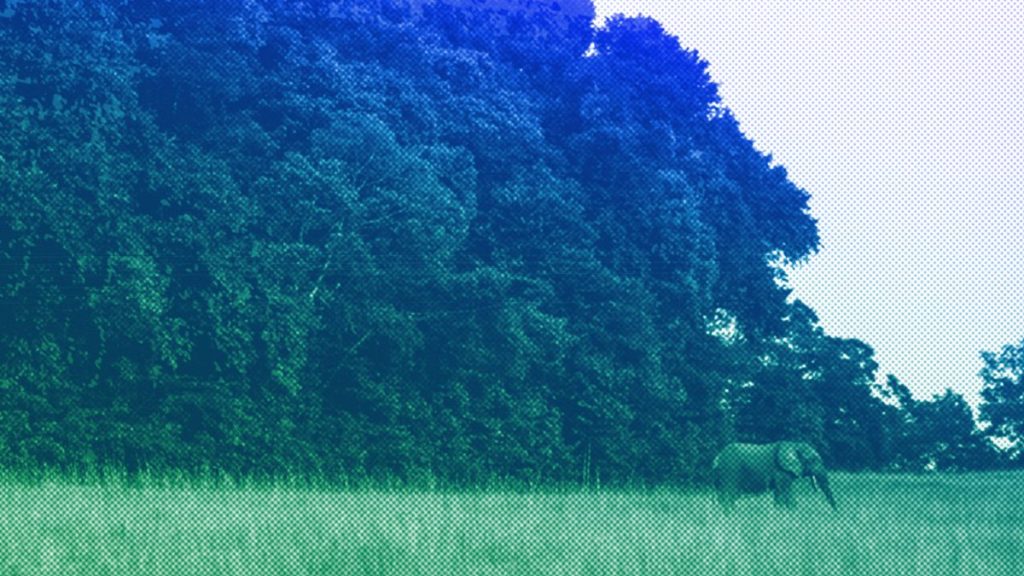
414 241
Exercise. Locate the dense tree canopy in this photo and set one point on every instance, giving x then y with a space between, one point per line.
1003 393
400 240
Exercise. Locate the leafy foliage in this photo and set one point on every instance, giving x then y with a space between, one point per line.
398 240
1003 392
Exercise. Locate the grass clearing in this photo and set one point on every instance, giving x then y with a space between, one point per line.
971 524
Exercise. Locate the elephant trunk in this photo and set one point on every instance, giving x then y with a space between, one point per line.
821 481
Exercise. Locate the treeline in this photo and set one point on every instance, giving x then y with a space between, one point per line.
406 240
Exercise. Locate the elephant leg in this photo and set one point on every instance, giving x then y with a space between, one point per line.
727 501
788 501
726 497
777 496
783 493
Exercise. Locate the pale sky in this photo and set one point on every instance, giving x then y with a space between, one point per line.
903 119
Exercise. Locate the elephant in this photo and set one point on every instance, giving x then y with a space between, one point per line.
741 469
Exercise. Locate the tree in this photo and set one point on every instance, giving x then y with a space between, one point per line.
947 436
395 239
1003 393
939 434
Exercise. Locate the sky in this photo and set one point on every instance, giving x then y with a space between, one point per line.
903 119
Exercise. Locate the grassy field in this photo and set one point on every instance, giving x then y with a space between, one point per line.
948 525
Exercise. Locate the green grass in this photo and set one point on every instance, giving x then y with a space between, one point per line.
971 525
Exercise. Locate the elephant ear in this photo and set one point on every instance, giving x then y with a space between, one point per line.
788 459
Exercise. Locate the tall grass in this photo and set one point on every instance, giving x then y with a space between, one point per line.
952 525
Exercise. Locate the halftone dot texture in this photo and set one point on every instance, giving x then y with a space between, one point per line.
888 525
876 108
458 287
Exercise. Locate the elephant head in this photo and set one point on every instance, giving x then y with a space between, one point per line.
741 469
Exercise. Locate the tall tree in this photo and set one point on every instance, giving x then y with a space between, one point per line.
395 239
1003 393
